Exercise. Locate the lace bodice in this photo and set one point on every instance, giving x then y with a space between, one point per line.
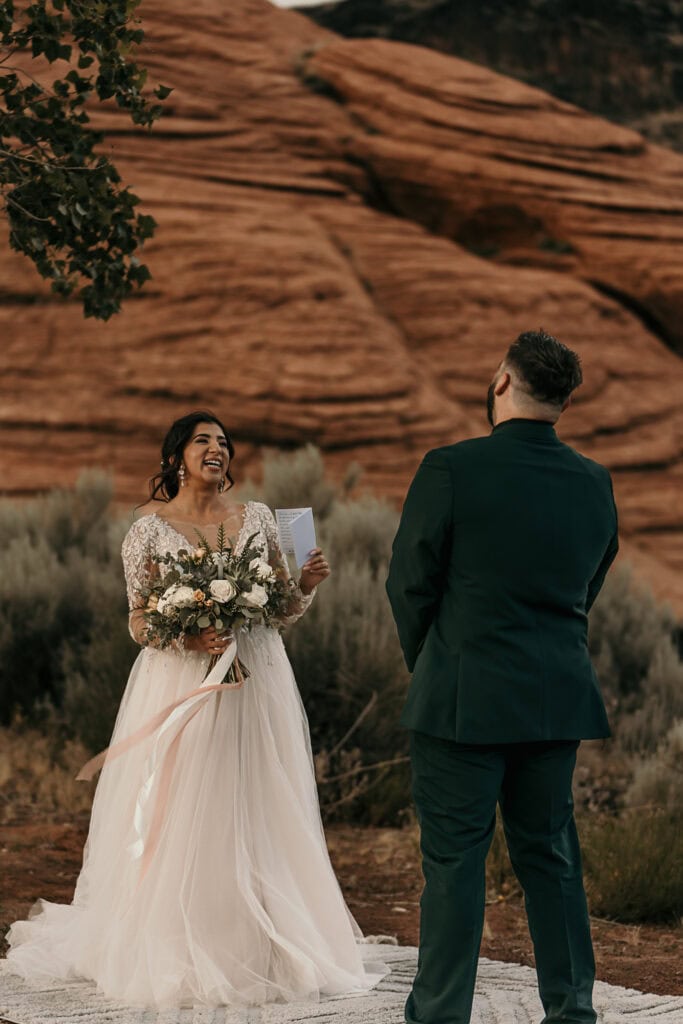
151 534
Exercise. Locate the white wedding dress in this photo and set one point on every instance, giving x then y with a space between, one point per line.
239 905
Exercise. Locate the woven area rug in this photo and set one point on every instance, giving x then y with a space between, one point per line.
506 994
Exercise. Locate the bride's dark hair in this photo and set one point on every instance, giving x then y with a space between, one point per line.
164 485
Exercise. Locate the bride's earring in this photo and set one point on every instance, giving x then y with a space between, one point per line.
221 486
181 475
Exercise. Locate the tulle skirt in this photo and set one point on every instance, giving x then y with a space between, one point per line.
240 905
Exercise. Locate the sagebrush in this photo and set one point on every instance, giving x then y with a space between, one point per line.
65 655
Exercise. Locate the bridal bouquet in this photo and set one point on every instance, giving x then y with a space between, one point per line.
213 587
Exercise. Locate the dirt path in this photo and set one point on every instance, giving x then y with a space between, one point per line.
379 872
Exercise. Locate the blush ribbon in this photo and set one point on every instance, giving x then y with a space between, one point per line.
169 724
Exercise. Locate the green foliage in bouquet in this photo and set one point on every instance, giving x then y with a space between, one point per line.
213 587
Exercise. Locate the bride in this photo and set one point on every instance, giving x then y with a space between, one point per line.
239 904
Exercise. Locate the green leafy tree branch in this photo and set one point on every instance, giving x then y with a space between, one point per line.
67 207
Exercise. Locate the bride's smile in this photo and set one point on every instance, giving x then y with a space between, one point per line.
207 455
206 458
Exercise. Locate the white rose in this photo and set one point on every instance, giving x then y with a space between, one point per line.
256 597
164 606
222 590
182 597
263 570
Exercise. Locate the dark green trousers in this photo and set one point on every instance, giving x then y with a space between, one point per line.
456 788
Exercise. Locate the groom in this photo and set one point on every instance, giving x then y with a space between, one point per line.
503 546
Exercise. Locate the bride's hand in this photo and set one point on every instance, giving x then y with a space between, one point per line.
208 641
314 571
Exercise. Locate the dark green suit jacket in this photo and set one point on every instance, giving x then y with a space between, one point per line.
503 545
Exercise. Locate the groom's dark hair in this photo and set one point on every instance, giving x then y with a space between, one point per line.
550 370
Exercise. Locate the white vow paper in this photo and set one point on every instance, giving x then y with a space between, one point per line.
297 532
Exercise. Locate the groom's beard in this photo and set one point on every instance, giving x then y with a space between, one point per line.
490 402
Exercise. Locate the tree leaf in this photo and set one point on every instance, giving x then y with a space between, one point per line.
66 205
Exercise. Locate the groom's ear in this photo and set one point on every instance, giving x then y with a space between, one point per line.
566 404
503 384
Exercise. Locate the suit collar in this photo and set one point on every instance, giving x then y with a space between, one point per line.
528 430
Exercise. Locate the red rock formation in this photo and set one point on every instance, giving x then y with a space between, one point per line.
319 202
622 60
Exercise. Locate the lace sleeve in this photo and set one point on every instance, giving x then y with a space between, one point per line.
136 552
299 602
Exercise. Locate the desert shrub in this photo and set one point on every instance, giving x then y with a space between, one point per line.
345 651
603 774
298 478
352 677
627 624
96 667
62 609
632 639
633 865
38 776
658 780
661 702
65 651
65 520
36 600
361 532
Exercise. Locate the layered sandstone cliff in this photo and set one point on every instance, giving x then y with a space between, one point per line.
351 232
622 59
